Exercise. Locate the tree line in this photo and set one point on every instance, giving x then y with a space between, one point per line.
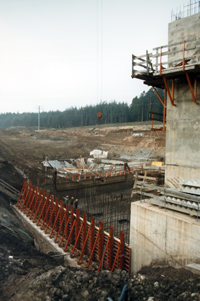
112 112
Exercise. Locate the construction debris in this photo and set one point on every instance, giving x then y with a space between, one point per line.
185 198
96 153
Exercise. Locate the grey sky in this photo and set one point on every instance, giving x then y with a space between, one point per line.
64 53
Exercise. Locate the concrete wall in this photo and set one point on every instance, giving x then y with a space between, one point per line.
184 29
87 187
162 237
183 121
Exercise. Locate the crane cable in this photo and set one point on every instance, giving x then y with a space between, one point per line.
99 50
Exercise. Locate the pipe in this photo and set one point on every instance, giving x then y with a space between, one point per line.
25 234
123 294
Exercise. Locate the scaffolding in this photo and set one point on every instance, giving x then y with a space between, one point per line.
165 64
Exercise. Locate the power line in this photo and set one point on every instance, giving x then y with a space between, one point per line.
39 107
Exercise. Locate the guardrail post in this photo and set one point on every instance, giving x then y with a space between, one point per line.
84 228
92 235
56 212
100 242
147 62
160 60
30 204
66 229
37 202
84 244
133 64
47 210
64 217
44 204
27 197
51 216
156 59
71 223
110 249
22 193
39 205
77 227
121 259
44 201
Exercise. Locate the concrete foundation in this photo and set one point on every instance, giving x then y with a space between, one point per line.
159 237
87 187
43 242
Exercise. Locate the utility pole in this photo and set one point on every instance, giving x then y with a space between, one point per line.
38 118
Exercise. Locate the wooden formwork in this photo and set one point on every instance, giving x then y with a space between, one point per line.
94 247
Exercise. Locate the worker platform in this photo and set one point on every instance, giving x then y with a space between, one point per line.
167 63
152 67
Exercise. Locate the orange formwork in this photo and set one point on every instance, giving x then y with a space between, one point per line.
93 247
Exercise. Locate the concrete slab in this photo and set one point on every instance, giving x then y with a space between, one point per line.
42 241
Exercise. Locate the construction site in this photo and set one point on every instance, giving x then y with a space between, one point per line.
118 202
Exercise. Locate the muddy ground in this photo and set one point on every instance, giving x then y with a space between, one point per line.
27 274
26 149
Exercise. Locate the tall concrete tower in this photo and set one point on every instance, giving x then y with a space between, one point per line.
183 119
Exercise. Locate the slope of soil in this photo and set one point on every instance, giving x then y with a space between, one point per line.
26 149
27 274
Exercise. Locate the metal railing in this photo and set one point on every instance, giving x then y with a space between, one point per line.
174 55
9 190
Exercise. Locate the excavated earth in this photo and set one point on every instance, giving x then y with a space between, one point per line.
27 274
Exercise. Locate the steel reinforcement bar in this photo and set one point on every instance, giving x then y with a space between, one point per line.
93 247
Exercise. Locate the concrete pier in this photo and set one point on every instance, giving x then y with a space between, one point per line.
159 236
183 123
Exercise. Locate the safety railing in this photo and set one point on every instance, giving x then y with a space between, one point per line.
96 177
91 244
180 54
9 190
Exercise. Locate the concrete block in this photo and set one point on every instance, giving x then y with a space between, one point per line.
159 236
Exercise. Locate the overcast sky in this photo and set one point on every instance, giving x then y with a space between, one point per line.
59 54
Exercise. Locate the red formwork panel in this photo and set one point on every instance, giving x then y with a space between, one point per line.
69 228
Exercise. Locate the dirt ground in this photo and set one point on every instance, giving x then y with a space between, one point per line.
27 274
26 149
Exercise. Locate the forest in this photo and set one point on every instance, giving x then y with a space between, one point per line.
112 113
